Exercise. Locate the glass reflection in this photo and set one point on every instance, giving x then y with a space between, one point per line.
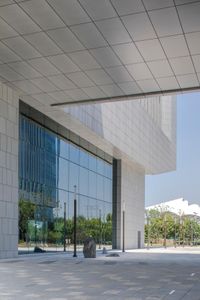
73 176
63 149
74 153
92 163
84 158
49 167
83 181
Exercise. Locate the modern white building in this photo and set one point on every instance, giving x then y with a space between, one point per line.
179 207
132 138
58 54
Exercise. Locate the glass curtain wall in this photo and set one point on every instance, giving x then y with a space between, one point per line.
49 168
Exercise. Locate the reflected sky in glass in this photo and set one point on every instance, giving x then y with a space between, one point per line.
50 166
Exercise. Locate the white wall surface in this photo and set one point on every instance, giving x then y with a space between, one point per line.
132 193
142 134
8 172
142 131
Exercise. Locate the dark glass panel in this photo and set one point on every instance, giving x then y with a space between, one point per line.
50 169
50 142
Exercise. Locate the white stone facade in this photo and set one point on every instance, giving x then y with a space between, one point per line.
132 195
140 134
142 131
9 102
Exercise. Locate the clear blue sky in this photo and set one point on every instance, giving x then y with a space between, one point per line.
185 181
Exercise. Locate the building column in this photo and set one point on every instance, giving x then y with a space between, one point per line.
9 118
116 213
128 189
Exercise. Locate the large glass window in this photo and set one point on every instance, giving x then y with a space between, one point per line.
83 181
49 168
63 149
62 173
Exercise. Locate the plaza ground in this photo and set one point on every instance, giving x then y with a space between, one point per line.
138 274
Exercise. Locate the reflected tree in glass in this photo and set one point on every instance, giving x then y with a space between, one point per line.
26 213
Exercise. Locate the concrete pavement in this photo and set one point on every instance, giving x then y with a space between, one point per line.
137 275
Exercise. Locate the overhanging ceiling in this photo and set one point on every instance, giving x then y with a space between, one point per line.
59 52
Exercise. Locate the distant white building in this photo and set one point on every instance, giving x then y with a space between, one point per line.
179 207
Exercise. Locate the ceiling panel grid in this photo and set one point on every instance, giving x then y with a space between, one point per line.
91 50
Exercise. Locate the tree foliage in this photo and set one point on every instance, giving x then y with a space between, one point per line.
163 225
26 212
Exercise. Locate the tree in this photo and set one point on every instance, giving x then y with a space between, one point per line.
26 213
162 224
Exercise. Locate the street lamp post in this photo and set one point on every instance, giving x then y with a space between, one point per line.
65 227
100 229
123 226
75 212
